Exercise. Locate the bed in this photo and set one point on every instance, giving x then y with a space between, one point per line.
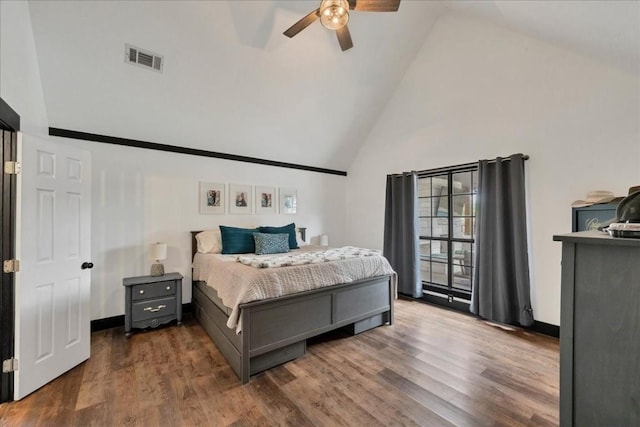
274 331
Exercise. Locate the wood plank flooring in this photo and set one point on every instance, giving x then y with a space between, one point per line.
433 367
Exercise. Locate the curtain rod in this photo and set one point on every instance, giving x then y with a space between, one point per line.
464 166
524 157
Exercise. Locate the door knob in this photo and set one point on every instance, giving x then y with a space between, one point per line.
86 265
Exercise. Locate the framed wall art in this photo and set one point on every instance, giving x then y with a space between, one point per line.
212 198
265 200
240 199
288 201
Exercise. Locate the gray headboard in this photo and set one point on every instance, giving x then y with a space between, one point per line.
194 243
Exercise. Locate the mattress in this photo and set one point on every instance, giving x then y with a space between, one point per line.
212 294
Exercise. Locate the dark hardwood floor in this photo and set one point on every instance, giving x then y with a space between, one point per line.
433 367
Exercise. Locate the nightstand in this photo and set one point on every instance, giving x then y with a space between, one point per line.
151 301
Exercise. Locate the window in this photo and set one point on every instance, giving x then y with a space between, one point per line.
446 203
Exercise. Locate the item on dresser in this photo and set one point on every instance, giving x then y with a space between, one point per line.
626 230
628 216
151 301
594 198
593 217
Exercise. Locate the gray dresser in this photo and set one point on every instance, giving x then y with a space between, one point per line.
599 330
152 301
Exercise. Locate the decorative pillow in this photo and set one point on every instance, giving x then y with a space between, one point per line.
209 242
289 229
237 240
271 243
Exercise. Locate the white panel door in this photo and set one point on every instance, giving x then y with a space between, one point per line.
52 287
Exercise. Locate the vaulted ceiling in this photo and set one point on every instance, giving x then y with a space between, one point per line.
233 83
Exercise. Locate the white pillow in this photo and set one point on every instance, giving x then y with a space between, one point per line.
209 242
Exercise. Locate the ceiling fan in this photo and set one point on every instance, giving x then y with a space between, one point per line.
334 15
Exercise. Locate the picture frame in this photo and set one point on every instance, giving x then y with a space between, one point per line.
240 199
288 201
265 200
212 198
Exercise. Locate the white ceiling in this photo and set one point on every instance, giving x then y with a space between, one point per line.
233 83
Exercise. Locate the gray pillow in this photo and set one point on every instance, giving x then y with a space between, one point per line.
267 243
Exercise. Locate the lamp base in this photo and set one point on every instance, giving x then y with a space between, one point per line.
157 269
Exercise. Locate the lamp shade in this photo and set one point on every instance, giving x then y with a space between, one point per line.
158 251
324 240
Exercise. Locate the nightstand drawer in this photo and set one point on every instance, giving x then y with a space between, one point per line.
154 308
154 290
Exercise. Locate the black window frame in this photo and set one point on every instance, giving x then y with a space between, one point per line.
448 294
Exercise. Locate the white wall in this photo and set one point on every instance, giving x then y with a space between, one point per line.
20 85
478 91
143 196
474 91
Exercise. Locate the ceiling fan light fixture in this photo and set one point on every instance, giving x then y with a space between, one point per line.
334 14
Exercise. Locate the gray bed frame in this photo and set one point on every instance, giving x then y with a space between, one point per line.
275 331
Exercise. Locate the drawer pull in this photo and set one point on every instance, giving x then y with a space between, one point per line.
141 292
156 309
168 288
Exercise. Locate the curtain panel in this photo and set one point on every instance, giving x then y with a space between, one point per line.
401 246
501 290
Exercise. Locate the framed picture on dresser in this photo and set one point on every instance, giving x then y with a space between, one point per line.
592 217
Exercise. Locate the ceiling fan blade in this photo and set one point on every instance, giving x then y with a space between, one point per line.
302 24
344 38
375 5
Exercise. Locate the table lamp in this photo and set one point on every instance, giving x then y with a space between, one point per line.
158 252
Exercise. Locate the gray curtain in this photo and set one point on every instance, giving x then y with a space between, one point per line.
501 289
401 231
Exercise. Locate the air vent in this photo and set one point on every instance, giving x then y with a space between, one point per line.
143 58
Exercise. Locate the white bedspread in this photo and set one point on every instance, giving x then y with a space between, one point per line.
301 258
237 283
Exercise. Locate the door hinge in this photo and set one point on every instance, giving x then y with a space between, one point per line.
9 365
12 168
11 266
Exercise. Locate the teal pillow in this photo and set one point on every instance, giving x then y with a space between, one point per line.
289 229
271 243
237 240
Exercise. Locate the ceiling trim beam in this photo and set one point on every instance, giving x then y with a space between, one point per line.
66 133
8 116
